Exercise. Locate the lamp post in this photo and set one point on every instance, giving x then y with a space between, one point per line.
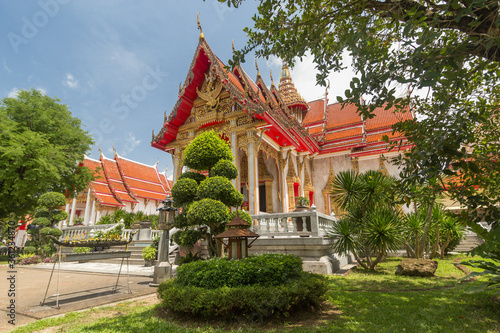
163 270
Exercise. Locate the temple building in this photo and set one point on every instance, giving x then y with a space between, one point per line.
284 147
119 183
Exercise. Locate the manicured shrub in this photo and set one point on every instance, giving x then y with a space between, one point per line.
220 188
184 191
224 168
266 270
187 237
208 212
51 232
42 222
250 302
241 213
205 151
198 177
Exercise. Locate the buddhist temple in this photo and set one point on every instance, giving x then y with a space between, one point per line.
119 183
284 147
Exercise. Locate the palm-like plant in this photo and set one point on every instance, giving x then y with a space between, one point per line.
372 223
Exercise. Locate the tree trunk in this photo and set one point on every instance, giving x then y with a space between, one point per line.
436 243
427 222
360 262
377 260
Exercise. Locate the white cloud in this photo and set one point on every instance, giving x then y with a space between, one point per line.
6 67
13 93
130 143
304 78
70 81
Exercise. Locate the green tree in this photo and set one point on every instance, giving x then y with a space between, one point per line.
372 225
205 201
445 51
47 217
40 146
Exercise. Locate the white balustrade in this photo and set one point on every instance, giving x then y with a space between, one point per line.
294 224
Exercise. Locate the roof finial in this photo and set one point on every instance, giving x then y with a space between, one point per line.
157 161
153 139
271 74
199 26
234 51
99 148
257 66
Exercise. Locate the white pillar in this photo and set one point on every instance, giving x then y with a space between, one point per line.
234 151
65 222
90 221
253 175
73 208
285 185
86 217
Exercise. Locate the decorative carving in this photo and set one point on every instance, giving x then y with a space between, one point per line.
355 164
381 166
210 91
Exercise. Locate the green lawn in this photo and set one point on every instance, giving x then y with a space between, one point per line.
365 302
4 259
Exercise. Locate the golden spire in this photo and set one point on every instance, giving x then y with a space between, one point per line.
271 75
288 92
256 66
199 26
99 148
234 51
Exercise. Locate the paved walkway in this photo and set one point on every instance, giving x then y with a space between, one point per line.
81 286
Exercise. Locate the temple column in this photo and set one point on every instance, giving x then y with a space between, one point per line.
175 163
65 222
253 174
97 215
73 209
285 164
91 222
86 217
234 150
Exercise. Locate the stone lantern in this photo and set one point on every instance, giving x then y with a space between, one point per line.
166 216
238 235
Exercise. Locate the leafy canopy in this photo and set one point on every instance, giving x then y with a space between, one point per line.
40 145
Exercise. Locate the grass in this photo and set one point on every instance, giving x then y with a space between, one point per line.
4 259
366 302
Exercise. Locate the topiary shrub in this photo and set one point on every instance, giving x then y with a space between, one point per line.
265 269
198 177
251 302
220 188
205 151
224 168
187 237
184 191
241 213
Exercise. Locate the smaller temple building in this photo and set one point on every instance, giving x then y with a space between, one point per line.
119 183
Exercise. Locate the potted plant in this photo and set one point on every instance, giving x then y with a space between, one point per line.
302 205
149 255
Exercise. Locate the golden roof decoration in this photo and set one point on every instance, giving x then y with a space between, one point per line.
288 91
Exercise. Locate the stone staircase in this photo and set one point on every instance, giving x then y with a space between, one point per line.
135 247
469 242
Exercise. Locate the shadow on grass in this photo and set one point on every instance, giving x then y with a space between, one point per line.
444 310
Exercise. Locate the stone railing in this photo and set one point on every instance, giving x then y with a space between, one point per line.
84 232
295 224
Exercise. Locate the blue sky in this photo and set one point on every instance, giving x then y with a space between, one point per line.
117 64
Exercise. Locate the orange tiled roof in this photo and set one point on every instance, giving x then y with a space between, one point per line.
315 112
385 118
141 180
338 116
342 134
122 180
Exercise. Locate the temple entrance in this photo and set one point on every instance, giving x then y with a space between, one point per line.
262 198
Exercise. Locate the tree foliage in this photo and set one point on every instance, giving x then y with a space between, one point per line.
205 201
205 151
40 146
445 52
372 224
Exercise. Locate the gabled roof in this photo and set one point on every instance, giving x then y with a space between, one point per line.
339 128
121 180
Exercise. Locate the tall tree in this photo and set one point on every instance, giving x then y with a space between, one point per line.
447 51
41 144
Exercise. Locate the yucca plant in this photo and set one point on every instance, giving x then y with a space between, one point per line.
372 224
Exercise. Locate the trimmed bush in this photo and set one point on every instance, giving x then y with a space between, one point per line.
187 237
198 177
265 270
184 191
250 302
220 188
242 214
224 168
205 151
